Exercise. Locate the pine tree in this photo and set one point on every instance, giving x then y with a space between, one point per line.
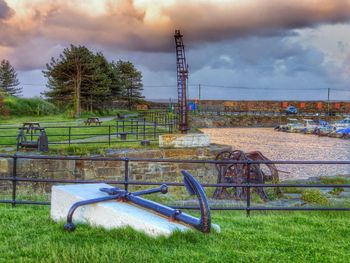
79 79
130 82
8 79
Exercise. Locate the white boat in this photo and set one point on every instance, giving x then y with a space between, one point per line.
343 124
306 126
287 127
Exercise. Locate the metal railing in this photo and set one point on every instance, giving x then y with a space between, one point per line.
134 130
248 185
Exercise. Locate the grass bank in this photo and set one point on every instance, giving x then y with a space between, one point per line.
85 140
28 235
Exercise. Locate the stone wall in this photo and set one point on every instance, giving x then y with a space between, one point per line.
114 170
274 106
215 121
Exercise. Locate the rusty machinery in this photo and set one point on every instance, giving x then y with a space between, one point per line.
182 76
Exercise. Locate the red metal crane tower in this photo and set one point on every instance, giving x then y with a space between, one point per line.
182 76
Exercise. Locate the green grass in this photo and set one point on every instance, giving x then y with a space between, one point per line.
335 180
27 234
58 131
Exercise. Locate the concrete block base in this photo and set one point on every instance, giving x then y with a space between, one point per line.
184 140
111 214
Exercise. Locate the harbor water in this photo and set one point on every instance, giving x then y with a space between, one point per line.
288 146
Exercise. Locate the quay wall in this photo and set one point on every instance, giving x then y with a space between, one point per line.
274 106
227 121
114 170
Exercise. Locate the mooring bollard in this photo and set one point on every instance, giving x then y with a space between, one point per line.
123 136
145 143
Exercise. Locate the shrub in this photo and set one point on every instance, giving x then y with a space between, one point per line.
335 180
314 197
336 191
29 106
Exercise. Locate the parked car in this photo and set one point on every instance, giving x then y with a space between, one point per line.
291 110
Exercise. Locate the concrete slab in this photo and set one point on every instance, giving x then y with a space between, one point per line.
111 214
184 140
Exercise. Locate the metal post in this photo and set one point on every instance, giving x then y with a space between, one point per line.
199 96
328 97
123 126
137 130
248 189
117 127
126 174
154 130
109 134
14 180
144 129
69 135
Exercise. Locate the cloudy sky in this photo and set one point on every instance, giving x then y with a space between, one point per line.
236 49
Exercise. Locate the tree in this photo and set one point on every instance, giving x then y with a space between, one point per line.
78 78
130 81
81 79
98 92
8 79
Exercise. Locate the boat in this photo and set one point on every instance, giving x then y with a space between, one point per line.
323 128
289 126
343 124
306 126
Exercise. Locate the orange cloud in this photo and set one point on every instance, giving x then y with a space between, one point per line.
148 25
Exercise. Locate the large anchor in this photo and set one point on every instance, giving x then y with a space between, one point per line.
193 187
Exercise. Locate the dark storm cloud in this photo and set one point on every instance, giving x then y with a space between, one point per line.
241 42
5 11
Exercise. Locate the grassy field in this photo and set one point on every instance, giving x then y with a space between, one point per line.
58 128
28 235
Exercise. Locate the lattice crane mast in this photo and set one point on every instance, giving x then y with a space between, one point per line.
182 76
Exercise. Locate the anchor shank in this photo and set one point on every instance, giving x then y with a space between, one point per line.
164 210
162 189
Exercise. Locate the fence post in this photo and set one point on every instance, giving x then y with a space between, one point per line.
126 174
14 180
109 134
137 130
117 127
154 130
248 188
69 135
144 129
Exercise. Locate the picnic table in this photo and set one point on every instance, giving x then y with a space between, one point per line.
41 143
93 120
30 126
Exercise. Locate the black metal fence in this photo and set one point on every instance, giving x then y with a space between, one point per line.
161 117
14 179
128 130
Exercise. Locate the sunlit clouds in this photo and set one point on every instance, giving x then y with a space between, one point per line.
32 31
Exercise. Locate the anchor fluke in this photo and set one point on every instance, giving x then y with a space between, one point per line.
188 183
69 227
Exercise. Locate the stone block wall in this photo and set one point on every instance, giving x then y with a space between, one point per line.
115 170
274 106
